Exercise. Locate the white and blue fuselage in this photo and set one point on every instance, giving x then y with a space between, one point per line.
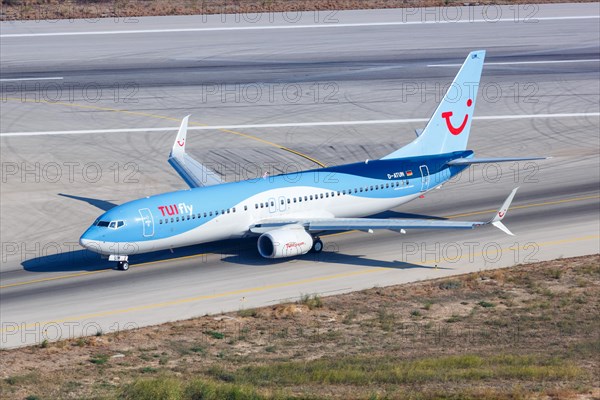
229 210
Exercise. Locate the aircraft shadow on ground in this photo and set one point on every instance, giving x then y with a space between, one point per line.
104 205
85 260
327 257
235 251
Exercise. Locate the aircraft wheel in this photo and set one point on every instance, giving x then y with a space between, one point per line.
123 265
317 246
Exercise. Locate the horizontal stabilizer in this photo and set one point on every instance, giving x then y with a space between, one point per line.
192 172
469 161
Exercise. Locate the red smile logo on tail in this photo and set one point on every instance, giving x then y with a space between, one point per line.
456 131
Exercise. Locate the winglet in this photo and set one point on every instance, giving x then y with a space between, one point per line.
192 172
502 211
178 149
496 221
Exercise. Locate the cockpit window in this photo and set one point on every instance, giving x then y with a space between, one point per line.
111 224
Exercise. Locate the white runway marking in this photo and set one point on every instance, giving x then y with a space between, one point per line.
521 62
49 78
294 124
315 26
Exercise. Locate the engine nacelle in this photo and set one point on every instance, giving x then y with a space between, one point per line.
284 242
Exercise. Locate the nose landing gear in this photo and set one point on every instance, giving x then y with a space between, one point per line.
122 261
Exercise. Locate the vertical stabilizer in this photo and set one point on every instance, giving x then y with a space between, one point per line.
449 127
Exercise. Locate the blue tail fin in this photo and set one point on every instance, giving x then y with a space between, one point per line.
449 127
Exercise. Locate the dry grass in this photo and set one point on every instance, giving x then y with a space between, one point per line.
524 332
92 9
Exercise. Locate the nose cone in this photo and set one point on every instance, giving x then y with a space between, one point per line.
88 241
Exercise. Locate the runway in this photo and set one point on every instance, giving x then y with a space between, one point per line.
89 109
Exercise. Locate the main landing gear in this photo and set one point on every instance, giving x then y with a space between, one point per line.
123 265
122 262
317 245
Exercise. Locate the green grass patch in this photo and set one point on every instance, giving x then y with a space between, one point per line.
215 334
198 349
248 313
26 379
383 371
450 284
454 318
171 388
311 301
99 359
486 304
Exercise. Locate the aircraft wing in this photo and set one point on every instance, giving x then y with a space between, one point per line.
369 224
469 161
192 172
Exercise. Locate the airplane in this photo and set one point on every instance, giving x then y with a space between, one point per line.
287 212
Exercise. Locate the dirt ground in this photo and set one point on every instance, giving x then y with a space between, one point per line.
57 9
543 318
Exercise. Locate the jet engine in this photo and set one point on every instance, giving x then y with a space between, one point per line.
284 242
